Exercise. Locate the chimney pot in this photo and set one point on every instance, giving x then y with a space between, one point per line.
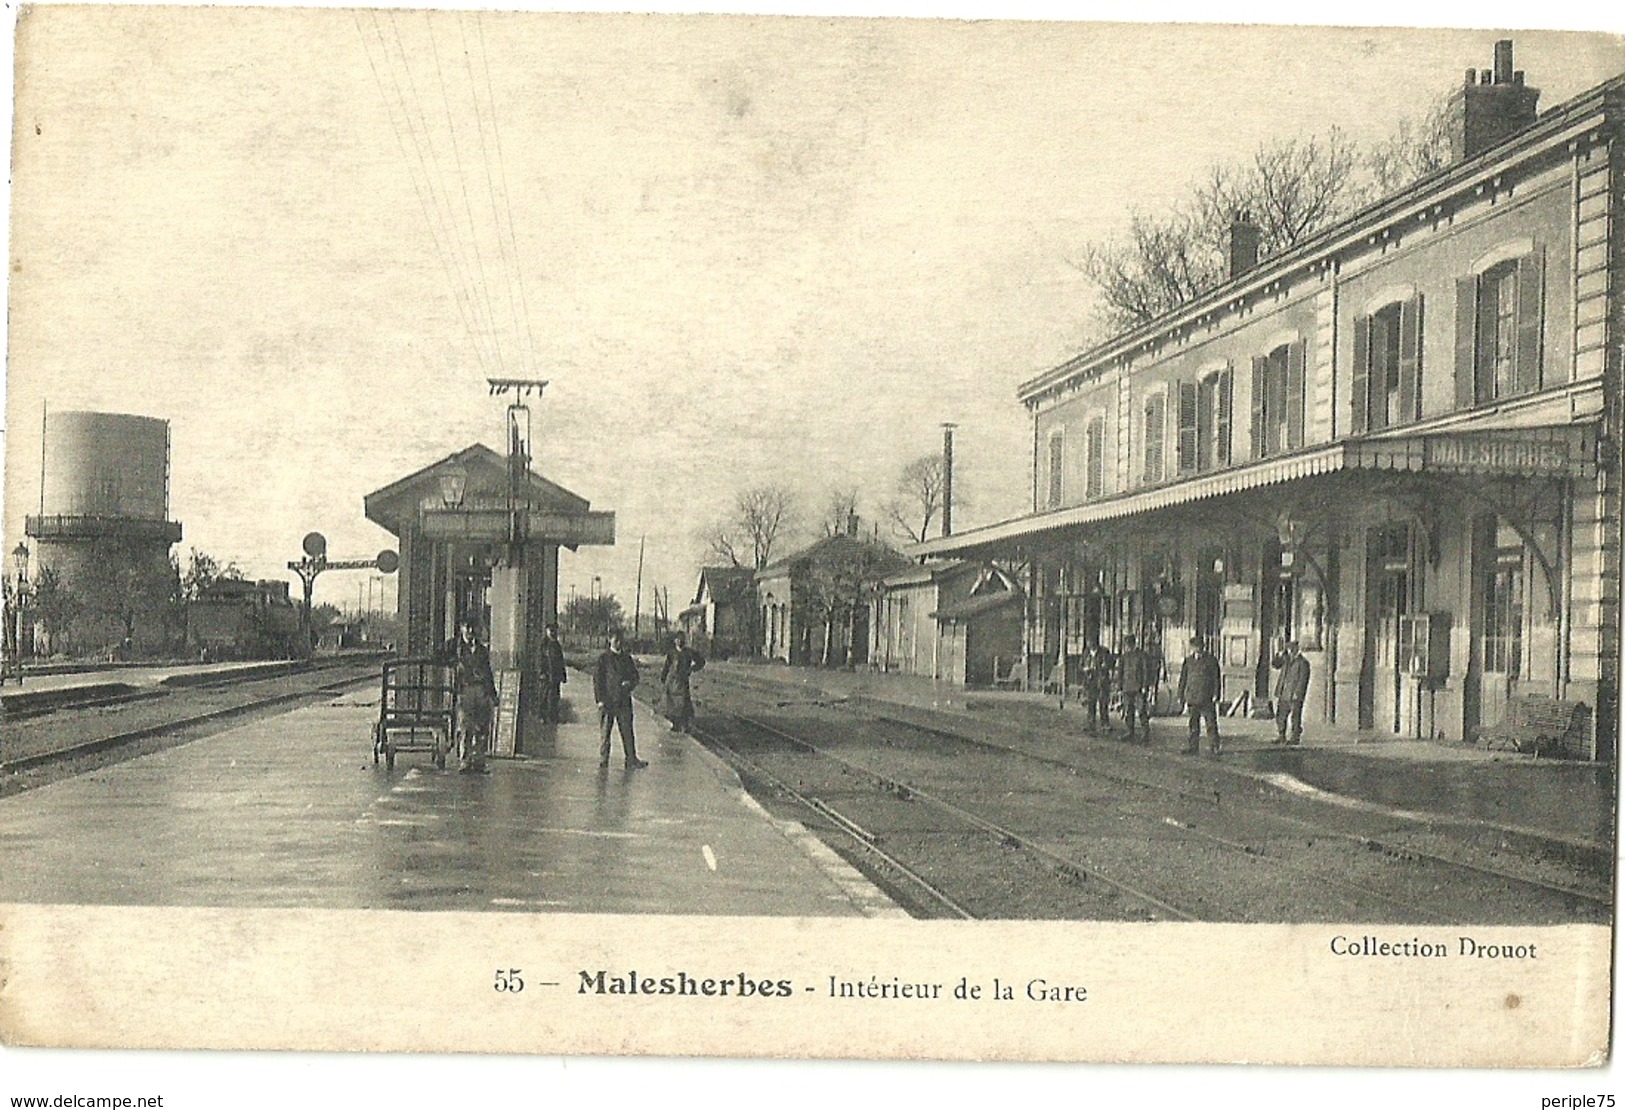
1484 76
1503 61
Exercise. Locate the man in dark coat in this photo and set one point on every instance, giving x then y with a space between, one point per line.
1291 687
470 661
1135 676
1199 690
612 684
682 662
552 672
1096 672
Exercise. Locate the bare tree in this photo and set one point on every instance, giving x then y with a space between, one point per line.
746 537
1290 188
1418 147
920 489
840 510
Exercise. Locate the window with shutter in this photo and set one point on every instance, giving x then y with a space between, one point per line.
1382 369
1056 474
1506 314
1156 434
1187 426
1360 386
1222 421
1297 380
1206 410
1531 282
1260 407
1213 421
1466 342
1095 469
1408 406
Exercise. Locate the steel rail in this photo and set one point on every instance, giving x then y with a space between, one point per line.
1603 901
105 743
869 841
1064 864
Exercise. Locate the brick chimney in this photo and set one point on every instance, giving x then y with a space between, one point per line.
1491 105
1244 236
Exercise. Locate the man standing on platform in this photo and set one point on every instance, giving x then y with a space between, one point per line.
1290 690
682 662
1134 677
552 673
470 661
1096 673
612 684
1199 690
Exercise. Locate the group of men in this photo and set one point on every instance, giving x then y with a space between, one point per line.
1135 672
615 675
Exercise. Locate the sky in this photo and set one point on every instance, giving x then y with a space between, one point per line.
741 249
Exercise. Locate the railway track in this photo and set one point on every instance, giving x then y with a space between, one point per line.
1290 866
78 729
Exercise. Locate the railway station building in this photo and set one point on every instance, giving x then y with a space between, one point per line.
1397 443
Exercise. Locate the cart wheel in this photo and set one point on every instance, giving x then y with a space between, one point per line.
377 742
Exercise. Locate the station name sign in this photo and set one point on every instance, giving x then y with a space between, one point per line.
491 525
1498 455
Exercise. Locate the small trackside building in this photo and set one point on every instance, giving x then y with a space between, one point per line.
956 621
1398 443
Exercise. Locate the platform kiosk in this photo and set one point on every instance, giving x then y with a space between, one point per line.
480 533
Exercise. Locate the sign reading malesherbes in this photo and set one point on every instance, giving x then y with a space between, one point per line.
1498 454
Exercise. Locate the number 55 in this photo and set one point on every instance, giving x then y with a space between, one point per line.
508 981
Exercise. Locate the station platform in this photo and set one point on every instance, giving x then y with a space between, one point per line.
290 811
128 674
1566 803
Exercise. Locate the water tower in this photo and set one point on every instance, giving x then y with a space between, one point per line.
103 525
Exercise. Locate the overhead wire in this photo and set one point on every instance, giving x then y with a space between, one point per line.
424 202
470 283
443 192
462 180
490 184
507 198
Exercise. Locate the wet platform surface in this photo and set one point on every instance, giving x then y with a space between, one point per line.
290 811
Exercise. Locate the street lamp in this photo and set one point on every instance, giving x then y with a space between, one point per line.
19 562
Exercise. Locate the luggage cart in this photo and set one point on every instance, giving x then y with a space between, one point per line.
417 711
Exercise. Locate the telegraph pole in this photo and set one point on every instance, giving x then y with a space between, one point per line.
637 596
